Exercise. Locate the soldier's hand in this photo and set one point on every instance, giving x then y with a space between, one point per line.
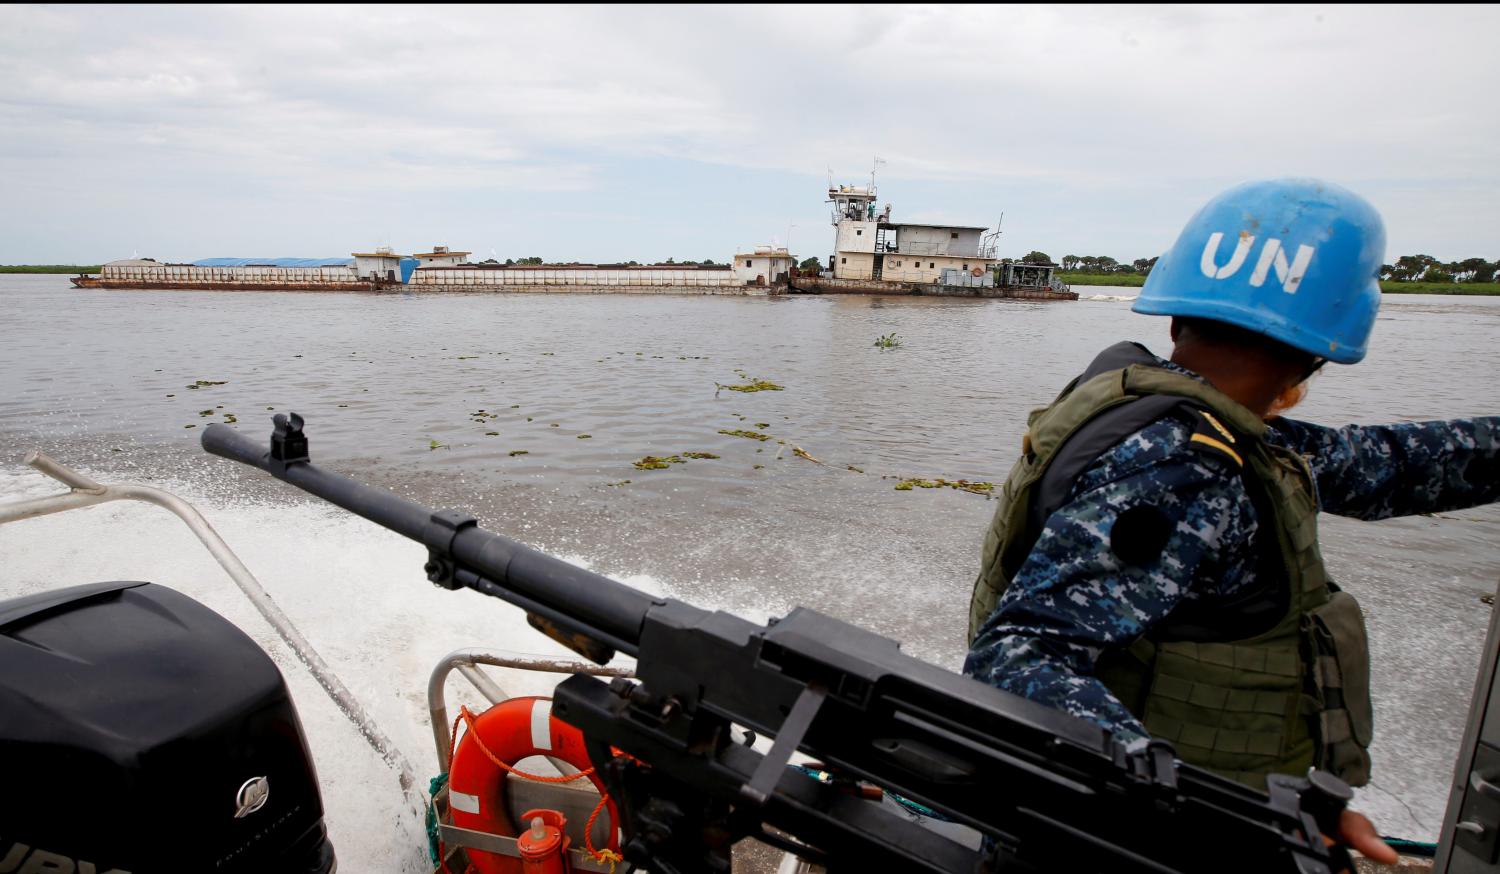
1358 834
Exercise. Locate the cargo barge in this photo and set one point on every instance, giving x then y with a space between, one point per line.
873 255
760 272
362 271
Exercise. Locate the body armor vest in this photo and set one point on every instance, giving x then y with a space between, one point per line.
1276 680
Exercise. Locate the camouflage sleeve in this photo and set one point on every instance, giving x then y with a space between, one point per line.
1380 471
1075 595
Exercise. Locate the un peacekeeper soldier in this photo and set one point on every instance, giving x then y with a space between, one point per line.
1153 565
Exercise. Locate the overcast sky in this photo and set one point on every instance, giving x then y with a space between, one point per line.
623 132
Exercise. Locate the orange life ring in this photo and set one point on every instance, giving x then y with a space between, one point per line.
977 272
512 730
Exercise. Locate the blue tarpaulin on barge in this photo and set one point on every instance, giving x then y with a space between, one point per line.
274 262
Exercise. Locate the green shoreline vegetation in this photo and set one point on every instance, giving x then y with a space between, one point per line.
1123 280
71 269
1130 280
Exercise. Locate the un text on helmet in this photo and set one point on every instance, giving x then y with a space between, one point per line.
1272 255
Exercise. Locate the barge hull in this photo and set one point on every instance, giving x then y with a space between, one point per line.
824 285
159 285
721 290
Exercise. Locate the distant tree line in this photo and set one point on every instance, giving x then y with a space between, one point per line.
1105 264
1408 268
1425 268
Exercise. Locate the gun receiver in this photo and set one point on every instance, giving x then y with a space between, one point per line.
1048 791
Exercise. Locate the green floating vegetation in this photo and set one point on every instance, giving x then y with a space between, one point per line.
752 435
230 418
757 467
762 424
205 412
466 357
515 452
963 485
856 469
623 482
753 385
433 444
662 462
583 436
481 416
204 383
889 341
492 433
189 426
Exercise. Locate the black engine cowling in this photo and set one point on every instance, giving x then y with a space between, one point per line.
142 733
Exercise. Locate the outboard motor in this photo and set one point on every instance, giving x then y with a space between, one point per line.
141 733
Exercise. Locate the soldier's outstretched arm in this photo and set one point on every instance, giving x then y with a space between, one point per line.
1380 471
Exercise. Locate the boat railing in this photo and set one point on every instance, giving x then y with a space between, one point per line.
85 492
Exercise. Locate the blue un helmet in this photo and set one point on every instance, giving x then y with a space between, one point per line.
1295 259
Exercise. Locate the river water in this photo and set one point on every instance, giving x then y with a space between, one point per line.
529 410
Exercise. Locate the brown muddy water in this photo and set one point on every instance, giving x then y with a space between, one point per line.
530 411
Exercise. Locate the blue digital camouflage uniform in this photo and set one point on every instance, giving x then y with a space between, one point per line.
1073 597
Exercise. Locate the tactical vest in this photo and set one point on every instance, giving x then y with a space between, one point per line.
1273 681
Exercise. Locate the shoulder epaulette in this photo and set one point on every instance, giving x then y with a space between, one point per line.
1212 437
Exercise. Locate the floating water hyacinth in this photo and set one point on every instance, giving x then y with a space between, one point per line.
752 386
963 485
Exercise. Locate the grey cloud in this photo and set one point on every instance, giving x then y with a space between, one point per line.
1118 106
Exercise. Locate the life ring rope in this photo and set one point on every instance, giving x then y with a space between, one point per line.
466 718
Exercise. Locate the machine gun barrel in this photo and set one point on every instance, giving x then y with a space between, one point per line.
569 598
1049 791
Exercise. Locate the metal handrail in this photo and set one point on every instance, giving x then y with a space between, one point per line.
465 661
85 492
